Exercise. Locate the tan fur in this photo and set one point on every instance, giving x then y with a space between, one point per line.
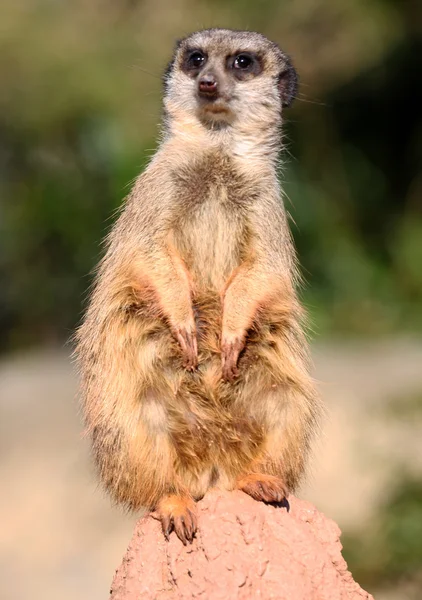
201 254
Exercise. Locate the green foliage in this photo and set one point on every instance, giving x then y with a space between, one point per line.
388 553
79 110
390 550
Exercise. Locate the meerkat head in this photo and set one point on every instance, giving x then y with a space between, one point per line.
220 76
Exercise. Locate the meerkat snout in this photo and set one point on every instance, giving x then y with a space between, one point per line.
208 86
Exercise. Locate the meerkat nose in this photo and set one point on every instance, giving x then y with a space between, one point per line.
207 85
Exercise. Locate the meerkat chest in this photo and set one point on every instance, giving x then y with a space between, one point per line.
213 229
211 238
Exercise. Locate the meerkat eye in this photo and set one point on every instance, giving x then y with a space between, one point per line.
243 61
196 60
244 65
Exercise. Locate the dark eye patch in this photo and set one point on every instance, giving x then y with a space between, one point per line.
193 61
244 65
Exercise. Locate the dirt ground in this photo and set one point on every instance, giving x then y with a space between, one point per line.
61 539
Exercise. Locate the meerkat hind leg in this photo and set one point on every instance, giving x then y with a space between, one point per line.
290 416
263 487
178 513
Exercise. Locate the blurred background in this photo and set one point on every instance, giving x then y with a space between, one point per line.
79 113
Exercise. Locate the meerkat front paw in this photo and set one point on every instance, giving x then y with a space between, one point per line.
231 347
186 336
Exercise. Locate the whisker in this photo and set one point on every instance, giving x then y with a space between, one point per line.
138 68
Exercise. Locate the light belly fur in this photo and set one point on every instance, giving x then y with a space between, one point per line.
210 244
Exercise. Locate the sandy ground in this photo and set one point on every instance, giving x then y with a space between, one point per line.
61 539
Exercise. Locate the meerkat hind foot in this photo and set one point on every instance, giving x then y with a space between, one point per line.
178 514
262 487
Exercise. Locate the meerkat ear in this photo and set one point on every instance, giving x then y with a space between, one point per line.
288 84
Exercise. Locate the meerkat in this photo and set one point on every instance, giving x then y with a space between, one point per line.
193 358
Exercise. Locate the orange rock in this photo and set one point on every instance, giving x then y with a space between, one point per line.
243 550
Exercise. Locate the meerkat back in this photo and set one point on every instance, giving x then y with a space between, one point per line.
193 360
